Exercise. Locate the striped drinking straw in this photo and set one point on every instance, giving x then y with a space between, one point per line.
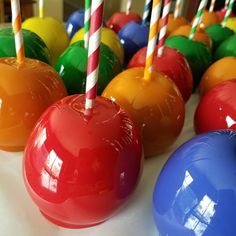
87 15
128 6
228 12
226 4
197 18
94 52
16 24
147 8
41 8
152 40
178 7
212 6
163 30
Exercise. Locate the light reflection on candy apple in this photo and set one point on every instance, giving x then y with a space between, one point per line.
155 105
26 90
174 23
35 48
51 31
221 70
197 54
80 167
119 19
75 22
190 196
217 108
73 68
133 37
109 38
173 64
200 34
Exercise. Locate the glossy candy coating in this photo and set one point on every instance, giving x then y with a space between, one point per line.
173 64
156 106
226 48
26 90
35 48
208 18
218 34
221 14
72 67
217 108
119 19
174 23
80 169
109 38
195 192
133 36
51 31
231 23
75 22
221 70
200 35
197 54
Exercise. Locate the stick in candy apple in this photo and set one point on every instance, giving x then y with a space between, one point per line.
27 88
169 61
197 54
150 97
50 30
84 157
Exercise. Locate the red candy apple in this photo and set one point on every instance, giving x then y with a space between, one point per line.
80 168
120 19
221 14
217 108
173 64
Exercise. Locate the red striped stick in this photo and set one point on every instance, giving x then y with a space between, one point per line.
16 24
94 51
163 30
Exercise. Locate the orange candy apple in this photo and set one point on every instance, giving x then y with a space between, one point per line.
26 90
208 19
156 106
200 34
221 70
174 23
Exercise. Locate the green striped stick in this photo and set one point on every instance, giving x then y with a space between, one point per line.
228 12
87 16
197 18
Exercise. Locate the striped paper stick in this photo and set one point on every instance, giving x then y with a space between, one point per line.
41 8
197 18
228 12
87 15
163 30
178 7
212 6
147 8
152 40
226 4
94 52
16 24
128 6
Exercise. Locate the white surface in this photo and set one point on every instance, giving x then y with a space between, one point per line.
19 216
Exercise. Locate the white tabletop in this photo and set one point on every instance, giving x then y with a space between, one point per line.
19 216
